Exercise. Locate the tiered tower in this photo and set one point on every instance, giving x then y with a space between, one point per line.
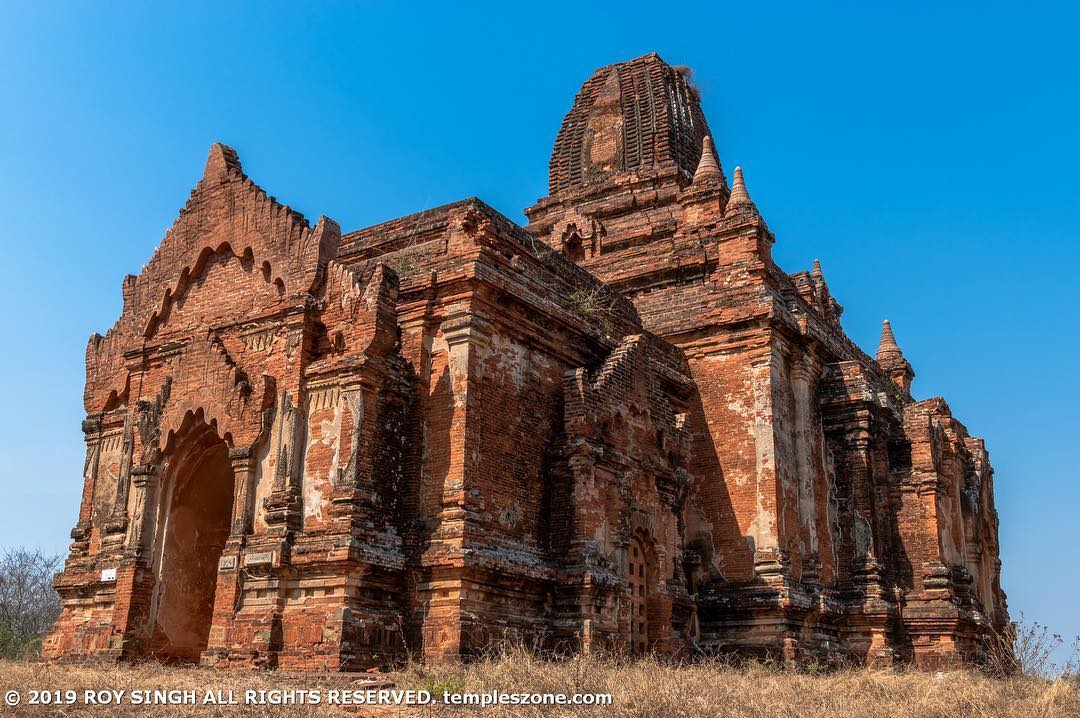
822 502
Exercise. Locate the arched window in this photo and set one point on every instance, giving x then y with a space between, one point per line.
574 248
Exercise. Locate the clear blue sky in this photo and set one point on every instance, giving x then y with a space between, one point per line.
927 155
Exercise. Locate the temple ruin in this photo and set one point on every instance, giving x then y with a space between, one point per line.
621 427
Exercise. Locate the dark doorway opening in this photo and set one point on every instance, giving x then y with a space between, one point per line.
194 520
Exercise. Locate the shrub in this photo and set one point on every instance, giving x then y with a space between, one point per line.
1029 650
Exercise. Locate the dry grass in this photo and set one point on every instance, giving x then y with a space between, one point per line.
640 688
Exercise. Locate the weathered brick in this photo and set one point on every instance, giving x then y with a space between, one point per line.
622 427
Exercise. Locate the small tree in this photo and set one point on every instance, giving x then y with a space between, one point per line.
28 603
1030 650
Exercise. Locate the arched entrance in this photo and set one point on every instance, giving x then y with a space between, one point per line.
194 517
637 565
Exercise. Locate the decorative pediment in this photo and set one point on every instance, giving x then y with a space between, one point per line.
227 219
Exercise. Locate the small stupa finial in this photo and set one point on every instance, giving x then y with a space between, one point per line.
708 168
888 345
739 200
892 360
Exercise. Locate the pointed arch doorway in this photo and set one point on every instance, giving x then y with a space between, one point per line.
195 510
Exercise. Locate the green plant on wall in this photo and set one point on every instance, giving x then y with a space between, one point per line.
591 304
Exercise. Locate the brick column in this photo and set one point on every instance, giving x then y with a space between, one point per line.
803 371
242 459
80 534
772 557
856 430
144 479
134 576
354 490
466 335
576 613
116 526
229 585
930 615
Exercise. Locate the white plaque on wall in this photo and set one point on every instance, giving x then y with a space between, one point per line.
262 558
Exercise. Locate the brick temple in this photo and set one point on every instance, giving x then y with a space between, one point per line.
621 427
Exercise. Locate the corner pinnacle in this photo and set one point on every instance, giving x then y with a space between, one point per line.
708 168
888 345
739 199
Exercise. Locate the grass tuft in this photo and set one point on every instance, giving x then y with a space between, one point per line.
650 688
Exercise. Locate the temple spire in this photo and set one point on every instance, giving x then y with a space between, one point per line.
739 199
816 272
708 168
888 346
892 361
